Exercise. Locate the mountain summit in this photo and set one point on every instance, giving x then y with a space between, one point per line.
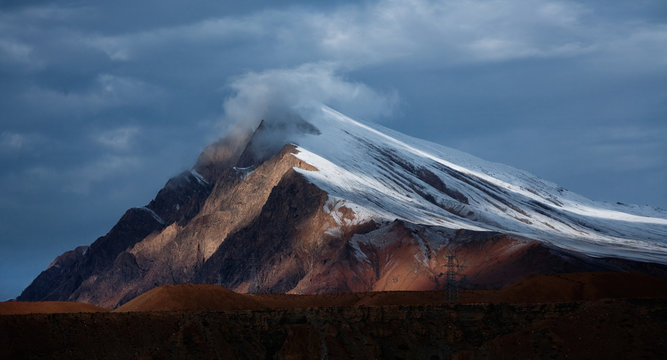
324 203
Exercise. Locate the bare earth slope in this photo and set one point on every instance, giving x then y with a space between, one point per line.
47 307
569 287
190 298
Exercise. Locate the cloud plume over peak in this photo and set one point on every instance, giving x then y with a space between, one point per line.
264 95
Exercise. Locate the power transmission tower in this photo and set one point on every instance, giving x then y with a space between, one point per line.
452 287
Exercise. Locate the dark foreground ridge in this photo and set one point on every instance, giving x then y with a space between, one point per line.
599 329
575 315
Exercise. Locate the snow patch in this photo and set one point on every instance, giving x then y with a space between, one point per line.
335 232
82 250
358 253
345 214
200 179
245 171
153 214
424 252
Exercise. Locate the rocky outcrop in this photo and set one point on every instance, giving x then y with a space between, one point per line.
278 242
73 275
68 272
173 237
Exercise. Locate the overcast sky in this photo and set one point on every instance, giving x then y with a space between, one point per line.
102 101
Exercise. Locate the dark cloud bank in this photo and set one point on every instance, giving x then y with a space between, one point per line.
101 102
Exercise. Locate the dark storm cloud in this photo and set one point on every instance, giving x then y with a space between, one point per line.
101 101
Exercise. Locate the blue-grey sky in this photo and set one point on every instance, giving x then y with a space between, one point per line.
102 101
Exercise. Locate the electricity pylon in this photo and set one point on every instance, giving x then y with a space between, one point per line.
451 286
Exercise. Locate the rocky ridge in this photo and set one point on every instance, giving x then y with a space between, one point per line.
261 212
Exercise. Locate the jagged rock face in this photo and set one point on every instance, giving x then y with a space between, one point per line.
254 216
279 240
222 154
270 137
171 239
76 275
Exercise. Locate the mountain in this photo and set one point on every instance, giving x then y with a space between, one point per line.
322 203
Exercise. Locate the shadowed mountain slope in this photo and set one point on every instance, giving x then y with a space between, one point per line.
325 204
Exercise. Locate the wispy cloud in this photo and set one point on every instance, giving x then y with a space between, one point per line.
79 178
258 95
447 32
11 141
82 179
13 50
417 31
106 91
119 139
127 47
626 149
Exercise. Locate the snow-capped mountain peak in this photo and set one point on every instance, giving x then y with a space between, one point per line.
385 175
322 203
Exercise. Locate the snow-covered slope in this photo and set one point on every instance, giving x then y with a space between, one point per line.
384 175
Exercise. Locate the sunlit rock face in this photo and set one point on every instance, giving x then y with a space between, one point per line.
327 204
